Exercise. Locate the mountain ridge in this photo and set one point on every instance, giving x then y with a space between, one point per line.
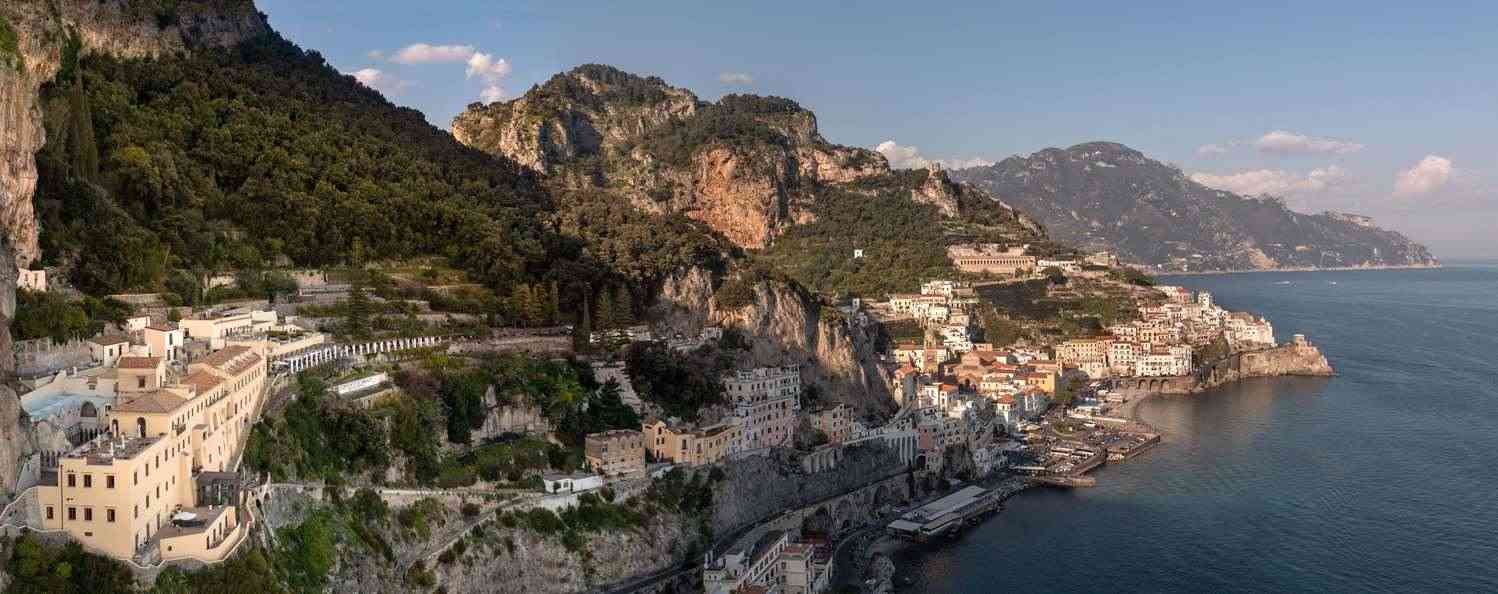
1107 196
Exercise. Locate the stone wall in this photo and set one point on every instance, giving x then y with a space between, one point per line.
759 488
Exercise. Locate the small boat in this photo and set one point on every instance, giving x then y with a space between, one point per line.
1282 283
1331 282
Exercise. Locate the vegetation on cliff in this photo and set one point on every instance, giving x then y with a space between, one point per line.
196 150
904 242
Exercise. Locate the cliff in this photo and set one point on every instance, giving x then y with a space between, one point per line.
15 442
787 327
1106 196
1292 359
747 166
52 33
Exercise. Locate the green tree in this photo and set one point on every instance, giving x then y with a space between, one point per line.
357 315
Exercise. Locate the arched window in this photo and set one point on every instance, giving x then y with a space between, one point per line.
140 426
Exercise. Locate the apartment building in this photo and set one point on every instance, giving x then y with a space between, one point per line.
132 492
767 401
689 445
615 452
836 421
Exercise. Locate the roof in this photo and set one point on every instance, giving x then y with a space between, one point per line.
202 381
139 362
166 327
224 355
109 340
231 359
159 401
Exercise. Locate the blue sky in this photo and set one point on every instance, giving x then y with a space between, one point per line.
1389 110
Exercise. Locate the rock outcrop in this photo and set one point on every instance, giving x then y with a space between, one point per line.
788 327
45 30
15 441
48 34
1106 196
746 166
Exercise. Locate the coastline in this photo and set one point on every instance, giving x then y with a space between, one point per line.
1299 269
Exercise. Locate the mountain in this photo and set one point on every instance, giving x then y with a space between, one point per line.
754 169
1106 196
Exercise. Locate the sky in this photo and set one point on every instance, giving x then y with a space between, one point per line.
1383 109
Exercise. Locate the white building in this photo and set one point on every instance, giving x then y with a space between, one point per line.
1164 361
31 280
576 482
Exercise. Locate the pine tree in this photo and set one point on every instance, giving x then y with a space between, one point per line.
357 321
85 146
536 312
554 304
624 314
606 311
582 332
521 303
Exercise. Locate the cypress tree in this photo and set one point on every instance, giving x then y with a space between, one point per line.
624 313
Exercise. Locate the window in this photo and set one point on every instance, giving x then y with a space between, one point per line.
72 480
72 513
88 481
140 382
109 515
109 481
88 514
50 513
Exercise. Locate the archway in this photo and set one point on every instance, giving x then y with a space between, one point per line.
818 522
844 515
140 426
88 410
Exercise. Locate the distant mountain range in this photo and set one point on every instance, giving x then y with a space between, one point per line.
1107 196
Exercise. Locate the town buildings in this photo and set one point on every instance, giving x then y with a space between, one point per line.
615 452
683 444
132 492
767 401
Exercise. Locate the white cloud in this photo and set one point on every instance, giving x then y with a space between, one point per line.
485 66
964 163
909 157
1429 174
375 55
493 93
1284 141
422 53
736 78
1276 182
378 80
1211 149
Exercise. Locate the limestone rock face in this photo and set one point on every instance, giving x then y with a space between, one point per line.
788 327
747 167
42 28
15 442
111 26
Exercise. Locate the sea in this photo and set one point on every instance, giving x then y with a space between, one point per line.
1381 479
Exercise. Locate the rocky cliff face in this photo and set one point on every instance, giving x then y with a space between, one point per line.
746 166
15 443
1292 359
1106 196
44 29
788 327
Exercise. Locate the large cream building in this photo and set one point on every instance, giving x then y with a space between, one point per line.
990 258
132 493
